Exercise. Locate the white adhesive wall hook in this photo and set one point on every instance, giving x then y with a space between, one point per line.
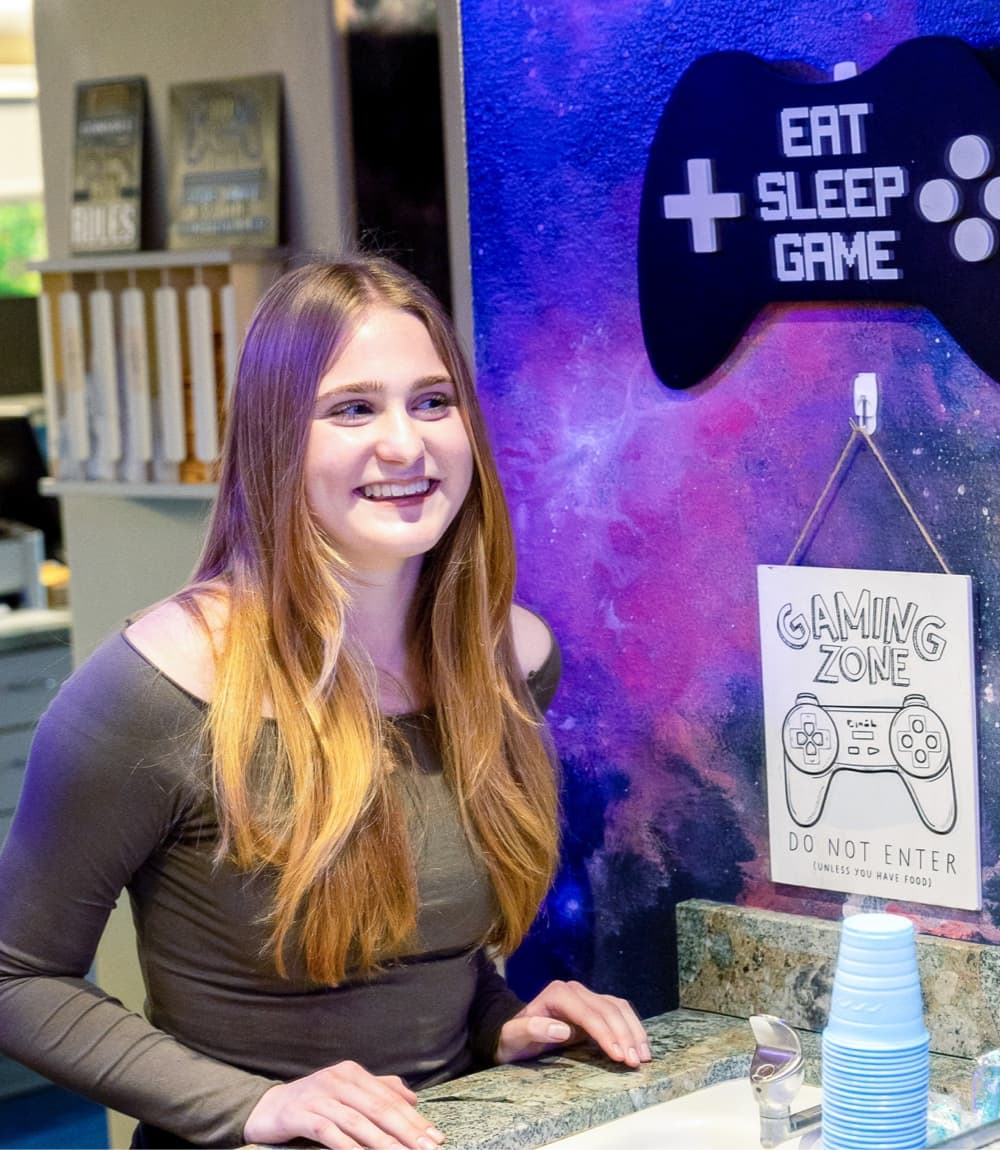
866 401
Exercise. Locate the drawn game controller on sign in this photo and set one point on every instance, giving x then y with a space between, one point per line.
761 188
910 740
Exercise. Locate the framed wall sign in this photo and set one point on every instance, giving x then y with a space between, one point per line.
870 732
106 213
225 163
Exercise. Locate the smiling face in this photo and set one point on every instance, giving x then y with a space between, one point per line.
388 461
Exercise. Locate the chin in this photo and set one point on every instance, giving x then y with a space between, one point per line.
391 554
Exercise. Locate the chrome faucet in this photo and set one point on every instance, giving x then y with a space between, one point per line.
776 1074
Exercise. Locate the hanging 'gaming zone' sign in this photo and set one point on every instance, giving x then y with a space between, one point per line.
881 187
870 732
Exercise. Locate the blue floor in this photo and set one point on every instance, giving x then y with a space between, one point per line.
52 1119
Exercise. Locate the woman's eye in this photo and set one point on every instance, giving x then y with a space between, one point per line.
436 402
353 412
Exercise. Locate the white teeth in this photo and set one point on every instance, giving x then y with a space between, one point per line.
395 490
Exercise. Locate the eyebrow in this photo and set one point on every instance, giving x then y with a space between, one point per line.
374 386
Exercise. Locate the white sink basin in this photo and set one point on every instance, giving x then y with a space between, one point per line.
719 1117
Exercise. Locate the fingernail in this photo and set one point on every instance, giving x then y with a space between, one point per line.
558 1031
647 1054
426 1144
633 1055
436 1134
617 1051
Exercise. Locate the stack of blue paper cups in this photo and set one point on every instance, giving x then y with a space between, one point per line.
876 1061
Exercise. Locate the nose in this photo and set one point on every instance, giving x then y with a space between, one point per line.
399 437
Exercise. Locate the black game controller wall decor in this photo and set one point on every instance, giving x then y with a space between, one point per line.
870 732
759 188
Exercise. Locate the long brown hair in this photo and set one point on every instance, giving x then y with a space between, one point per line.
323 811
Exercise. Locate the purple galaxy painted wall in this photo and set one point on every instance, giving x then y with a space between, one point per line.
642 513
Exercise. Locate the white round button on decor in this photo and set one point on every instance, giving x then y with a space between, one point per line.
991 197
970 157
939 200
974 240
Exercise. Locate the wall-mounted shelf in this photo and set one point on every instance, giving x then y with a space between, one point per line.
154 261
139 353
115 489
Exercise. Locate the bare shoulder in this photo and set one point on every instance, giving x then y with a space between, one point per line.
532 638
174 641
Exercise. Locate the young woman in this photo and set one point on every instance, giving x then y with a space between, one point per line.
319 770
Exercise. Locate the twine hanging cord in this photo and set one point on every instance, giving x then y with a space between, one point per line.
860 435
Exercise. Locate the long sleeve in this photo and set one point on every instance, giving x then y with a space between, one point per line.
494 1004
96 806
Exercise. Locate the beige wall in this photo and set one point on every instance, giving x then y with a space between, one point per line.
173 41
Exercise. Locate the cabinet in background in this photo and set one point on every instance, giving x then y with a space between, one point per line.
34 660
32 666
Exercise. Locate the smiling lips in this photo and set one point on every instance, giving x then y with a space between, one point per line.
408 490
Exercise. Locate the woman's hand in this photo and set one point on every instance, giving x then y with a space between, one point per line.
343 1107
567 1012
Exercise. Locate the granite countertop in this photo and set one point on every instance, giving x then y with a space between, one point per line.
530 1104
734 961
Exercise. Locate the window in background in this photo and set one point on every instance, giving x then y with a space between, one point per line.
22 218
22 214
22 238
